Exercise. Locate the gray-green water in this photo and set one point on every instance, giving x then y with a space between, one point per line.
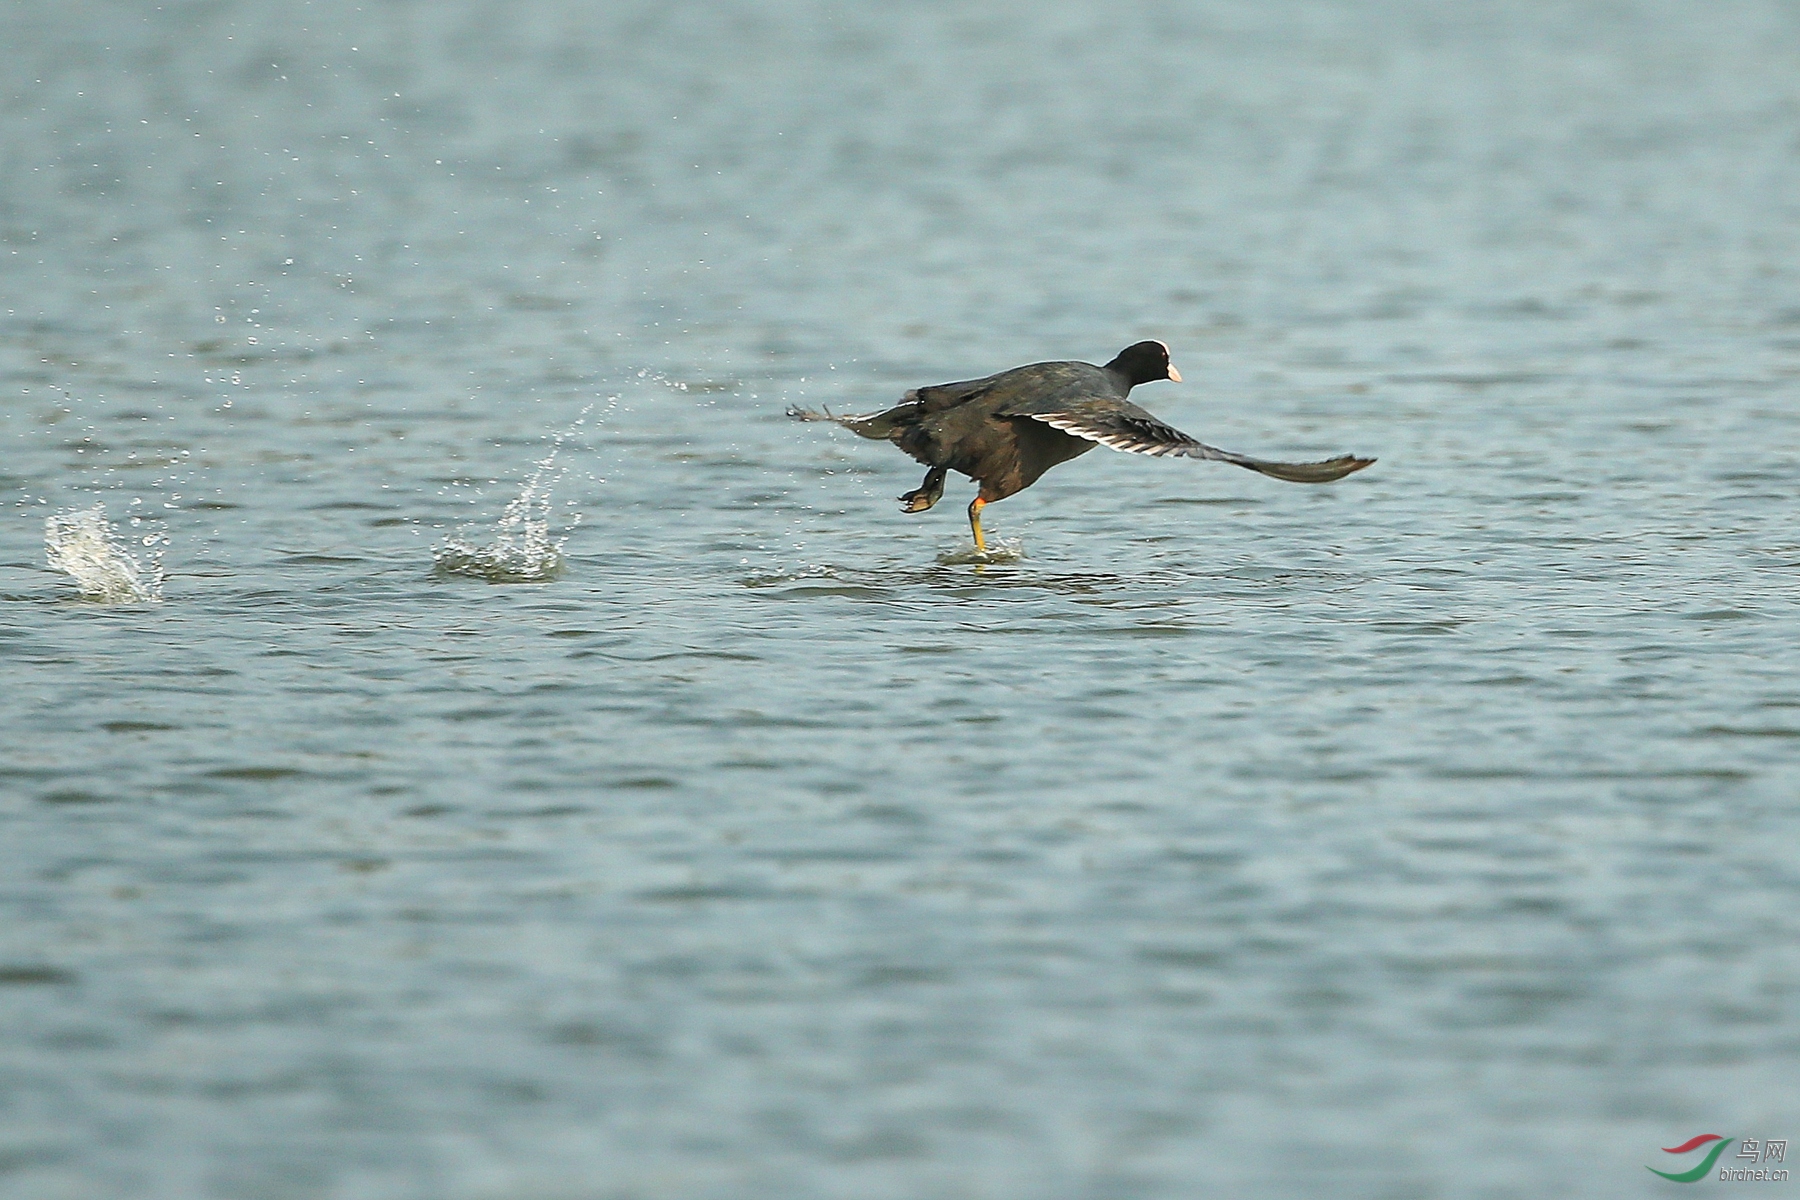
1432 834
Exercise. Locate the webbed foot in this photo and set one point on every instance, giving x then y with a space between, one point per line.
927 493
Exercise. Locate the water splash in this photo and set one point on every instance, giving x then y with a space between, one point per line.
523 550
87 545
999 550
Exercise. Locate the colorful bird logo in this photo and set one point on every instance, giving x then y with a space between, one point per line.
1712 1156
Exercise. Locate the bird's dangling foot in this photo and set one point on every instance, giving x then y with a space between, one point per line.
927 494
975 507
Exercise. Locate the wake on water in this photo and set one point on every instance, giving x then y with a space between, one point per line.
86 545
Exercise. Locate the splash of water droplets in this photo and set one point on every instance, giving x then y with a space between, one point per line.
85 544
1000 550
523 549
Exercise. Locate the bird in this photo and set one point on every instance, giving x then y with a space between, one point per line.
1004 431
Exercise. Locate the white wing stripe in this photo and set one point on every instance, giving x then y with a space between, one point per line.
1114 439
1182 446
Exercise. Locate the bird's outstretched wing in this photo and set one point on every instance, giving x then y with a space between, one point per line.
1121 425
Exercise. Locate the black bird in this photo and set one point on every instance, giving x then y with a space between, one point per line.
1008 429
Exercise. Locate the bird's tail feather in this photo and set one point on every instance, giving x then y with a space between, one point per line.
879 425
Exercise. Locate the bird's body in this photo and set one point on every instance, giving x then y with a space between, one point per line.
1006 430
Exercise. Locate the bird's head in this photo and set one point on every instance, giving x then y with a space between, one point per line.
1146 362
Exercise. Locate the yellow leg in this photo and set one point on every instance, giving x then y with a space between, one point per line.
975 507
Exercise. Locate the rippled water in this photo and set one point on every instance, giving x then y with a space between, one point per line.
1429 834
